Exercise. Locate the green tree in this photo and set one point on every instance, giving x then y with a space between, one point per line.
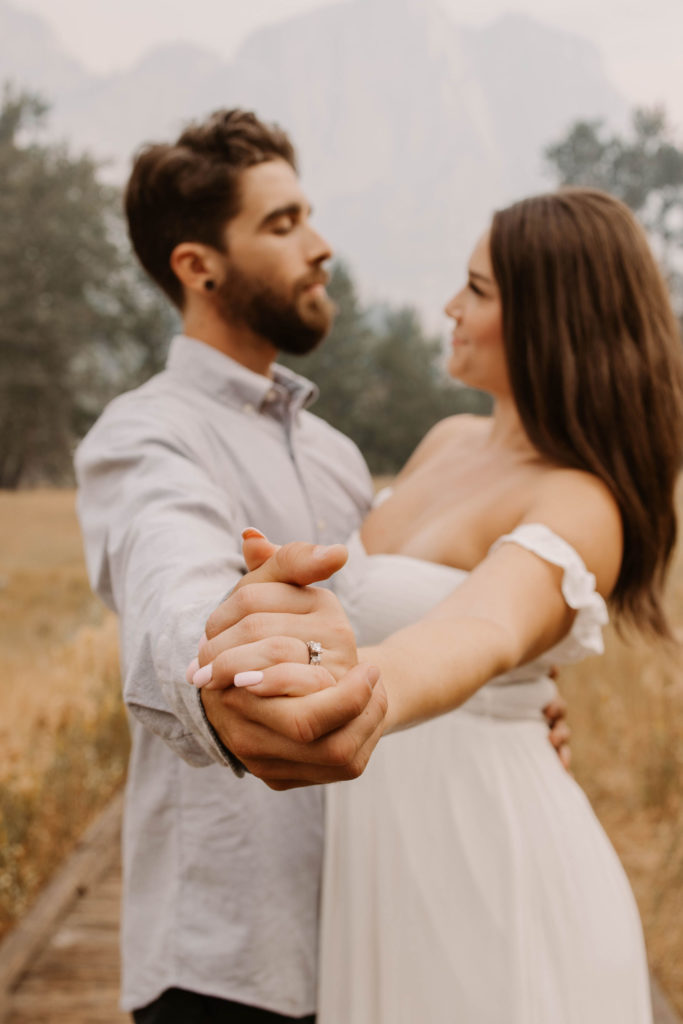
643 168
71 305
407 391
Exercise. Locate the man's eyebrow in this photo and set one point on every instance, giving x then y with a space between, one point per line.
290 210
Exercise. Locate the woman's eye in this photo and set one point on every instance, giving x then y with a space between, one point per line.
473 288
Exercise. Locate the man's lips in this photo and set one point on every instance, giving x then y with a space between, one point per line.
315 289
319 281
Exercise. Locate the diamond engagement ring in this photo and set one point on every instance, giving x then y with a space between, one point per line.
315 650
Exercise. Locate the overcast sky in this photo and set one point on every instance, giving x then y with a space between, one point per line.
641 40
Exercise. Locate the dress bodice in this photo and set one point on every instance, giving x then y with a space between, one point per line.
384 593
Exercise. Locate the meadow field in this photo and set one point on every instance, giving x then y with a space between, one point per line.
63 732
64 741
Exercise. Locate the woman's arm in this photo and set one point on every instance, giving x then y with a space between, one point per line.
508 611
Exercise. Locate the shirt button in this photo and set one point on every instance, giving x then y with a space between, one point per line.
247 407
322 523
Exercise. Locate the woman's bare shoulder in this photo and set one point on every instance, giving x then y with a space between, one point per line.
559 483
443 434
581 508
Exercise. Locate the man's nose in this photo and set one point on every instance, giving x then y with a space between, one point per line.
319 248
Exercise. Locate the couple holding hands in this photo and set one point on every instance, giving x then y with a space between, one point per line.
465 875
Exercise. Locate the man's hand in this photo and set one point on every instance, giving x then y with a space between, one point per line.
326 736
320 723
556 717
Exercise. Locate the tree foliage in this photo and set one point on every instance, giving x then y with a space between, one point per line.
76 322
380 378
643 168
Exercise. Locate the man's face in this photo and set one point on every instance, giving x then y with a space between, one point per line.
274 277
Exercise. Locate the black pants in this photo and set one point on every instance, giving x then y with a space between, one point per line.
177 1006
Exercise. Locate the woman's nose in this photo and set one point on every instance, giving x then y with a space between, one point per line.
452 308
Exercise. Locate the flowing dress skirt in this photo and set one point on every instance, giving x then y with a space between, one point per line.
468 880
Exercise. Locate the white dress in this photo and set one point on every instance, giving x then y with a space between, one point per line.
467 879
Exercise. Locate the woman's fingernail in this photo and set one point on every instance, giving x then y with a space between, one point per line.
191 669
248 678
203 676
250 532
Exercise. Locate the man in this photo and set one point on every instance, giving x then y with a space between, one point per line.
221 873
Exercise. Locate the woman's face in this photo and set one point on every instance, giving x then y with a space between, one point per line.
477 356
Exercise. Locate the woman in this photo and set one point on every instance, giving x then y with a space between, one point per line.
466 876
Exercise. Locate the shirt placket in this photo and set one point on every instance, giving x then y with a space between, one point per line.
283 407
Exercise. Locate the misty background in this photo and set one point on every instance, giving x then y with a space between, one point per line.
413 120
411 123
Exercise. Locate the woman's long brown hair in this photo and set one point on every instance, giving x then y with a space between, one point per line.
596 367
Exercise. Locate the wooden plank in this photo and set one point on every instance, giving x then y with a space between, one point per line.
93 855
99 1009
60 1001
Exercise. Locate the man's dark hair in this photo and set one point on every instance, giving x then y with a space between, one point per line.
187 191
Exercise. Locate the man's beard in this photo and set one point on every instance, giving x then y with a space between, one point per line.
291 326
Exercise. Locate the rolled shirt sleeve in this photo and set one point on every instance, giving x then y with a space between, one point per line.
163 549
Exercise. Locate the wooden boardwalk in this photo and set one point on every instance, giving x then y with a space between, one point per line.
61 964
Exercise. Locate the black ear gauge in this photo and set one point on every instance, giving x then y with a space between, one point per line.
209 285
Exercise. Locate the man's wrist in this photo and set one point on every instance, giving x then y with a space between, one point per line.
238 768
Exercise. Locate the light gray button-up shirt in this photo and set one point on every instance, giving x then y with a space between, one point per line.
221 874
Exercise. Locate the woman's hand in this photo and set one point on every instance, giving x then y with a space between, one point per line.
314 728
259 636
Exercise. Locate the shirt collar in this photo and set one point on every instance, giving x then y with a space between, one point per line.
206 369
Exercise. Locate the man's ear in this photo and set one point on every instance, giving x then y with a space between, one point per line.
197 266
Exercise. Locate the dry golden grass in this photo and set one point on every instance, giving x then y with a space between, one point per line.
64 738
626 711
62 728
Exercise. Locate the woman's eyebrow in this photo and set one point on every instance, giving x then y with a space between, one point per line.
481 277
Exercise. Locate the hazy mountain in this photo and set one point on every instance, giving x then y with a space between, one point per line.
30 54
153 99
410 128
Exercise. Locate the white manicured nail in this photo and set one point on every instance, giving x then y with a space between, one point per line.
203 676
248 678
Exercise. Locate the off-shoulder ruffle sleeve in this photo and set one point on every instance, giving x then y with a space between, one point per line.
578 590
